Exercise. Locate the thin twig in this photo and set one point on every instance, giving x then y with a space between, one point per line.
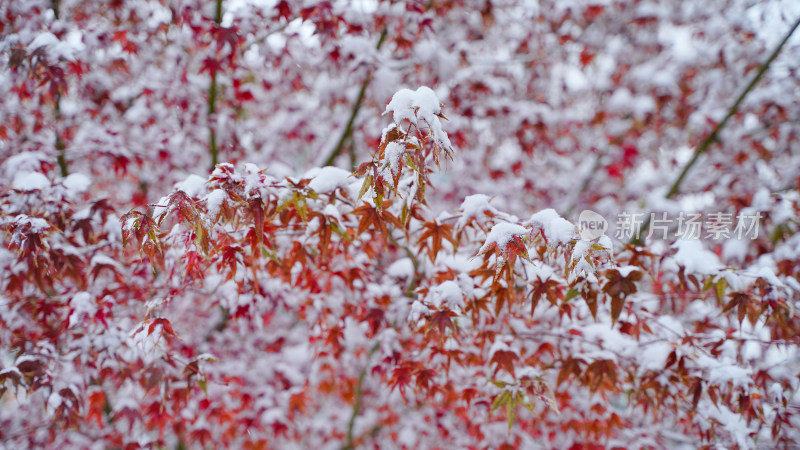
61 158
348 129
359 394
60 146
212 99
261 39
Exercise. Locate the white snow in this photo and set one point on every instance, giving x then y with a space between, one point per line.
421 108
25 358
331 211
680 40
499 344
528 371
418 310
574 79
354 334
771 19
623 101
734 423
327 179
44 39
723 372
214 201
29 181
451 344
655 356
393 152
402 268
501 235
253 181
474 206
54 401
671 324
605 242
411 105
541 270
556 229
77 183
23 162
766 272
100 259
735 250
579 252
627 270
459 262
389 339
81 305
695 258
66 49
252 56
505 155
37 224
160 208
447 294
158 14
783 211
193 185
11 369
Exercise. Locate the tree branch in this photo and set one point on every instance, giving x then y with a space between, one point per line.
359 394
714 135
348 129
212 99
61 157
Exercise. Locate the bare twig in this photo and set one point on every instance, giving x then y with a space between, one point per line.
212 100
359 394
61 157
347 133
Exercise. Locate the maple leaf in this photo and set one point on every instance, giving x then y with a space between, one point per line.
56 81
505 240
441 321
504 359
375 318
284 11
544 289
424 378
255 209
374 218
193 265
436 232
202 436
229 36
402 375
570 366
618 285
96 403
211 65
298 404
166 327
616 307
539 387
